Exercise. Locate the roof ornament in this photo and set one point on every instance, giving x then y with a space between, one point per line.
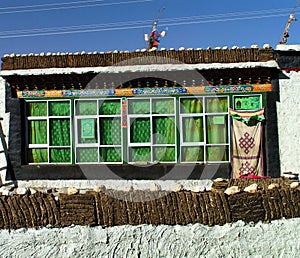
154 37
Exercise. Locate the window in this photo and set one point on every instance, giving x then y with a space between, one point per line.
49 130
98 134
151 130
204 129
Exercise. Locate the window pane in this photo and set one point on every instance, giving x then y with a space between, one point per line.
110 155
86 107
60 155
193 129
140 154
191 105
163 106
59 132
139 106
87 130
216 105
87 155
164 130
192 153
57 108
110 131
36 109
110 107
217 129
217 153
164 154
37 132
140 130
37 155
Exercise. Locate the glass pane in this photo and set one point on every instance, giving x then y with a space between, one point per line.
110 107
37 132
139 106
217 129
191 105
36 108
60 132
192 154
60 155
140 130
164 130
86 107
217 153
110 155
57 108
87 130
37 155
142 154
87 155
164 154
216 105
193 129
110 131
163 106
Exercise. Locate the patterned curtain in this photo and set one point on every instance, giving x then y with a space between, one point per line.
247 135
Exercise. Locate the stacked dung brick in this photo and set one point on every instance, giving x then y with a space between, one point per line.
77 209
14 62
35 210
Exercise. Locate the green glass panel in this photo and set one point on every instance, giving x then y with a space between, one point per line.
85 133
140 154
37 108
216 105
110 131
37 155
191 105
110 155
60 132
164 154
57 108
110 107
140 130
60 155
217 153
139 106
163 106
38 132
87 154
247 102
193 129
86 107
164 130
216 129
192 154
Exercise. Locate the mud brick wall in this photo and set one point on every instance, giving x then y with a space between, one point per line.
112 208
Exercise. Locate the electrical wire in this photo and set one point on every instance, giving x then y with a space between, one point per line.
74 7
141 24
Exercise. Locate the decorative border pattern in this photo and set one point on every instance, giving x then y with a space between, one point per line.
145 91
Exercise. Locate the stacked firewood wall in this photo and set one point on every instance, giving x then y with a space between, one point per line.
14 62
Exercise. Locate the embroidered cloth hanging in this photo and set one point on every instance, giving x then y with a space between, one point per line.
247 132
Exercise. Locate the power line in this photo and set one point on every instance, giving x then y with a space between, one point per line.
74 7
140 24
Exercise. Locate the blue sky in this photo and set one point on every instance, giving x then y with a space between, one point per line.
216 23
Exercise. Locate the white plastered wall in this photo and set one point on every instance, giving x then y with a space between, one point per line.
288 111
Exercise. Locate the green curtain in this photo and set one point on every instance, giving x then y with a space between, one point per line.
86 108
37 131
165 106
110 107
141 154
164 130
87 154
139 106
140 130
110 154
110 129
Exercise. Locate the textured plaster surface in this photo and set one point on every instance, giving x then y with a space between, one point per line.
288 111
279 238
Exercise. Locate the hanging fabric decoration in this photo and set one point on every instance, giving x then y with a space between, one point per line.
247 136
